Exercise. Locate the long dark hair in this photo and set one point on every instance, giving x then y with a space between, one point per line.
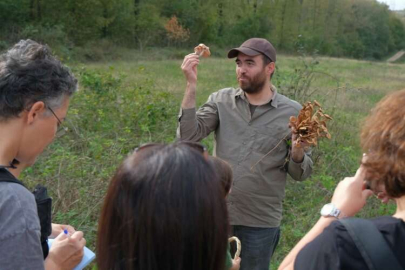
164 209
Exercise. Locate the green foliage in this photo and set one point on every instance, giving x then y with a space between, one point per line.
81 19
114 110
13 12
107 120
297 83
148 25
357 29
97 51
397 36
52 35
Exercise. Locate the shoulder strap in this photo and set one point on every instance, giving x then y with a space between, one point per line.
371 244
6 176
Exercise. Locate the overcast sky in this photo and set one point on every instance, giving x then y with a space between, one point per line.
394 4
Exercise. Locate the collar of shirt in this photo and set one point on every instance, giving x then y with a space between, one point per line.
273 102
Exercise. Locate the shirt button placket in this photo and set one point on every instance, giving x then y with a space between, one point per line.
252 137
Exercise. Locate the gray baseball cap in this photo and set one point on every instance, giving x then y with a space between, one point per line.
255 46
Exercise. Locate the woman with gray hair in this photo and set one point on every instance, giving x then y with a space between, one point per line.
35 89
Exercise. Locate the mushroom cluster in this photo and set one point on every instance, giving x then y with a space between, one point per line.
310 124
202 50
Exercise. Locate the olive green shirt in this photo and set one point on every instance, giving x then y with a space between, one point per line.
243 140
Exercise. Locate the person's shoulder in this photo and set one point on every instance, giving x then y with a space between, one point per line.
320 253
385 224
288 103
18 210
388 223
20 230
11 192
335 232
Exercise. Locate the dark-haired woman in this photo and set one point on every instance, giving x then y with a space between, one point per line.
165 210
329 245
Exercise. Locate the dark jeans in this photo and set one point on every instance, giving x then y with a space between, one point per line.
258 245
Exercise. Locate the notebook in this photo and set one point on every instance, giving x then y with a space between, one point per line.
88 257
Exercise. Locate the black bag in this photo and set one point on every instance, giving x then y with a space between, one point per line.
44 206
371 244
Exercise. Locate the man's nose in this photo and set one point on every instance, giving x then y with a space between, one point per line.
241 70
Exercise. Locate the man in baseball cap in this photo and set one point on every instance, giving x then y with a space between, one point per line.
251 129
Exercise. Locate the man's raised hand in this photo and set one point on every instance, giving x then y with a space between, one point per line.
189 68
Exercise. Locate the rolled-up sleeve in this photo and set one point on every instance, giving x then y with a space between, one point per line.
301 171
196 125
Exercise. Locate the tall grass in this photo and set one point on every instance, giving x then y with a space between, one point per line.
123 104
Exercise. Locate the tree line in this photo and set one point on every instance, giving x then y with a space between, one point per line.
364 29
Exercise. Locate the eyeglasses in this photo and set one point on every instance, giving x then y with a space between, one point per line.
61 129
194 145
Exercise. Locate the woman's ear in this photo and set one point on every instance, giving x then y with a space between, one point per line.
33 113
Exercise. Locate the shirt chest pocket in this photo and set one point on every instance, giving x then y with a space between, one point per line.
272 139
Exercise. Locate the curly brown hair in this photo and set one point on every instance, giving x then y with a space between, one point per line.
383 139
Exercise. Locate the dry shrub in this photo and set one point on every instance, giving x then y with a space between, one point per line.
175 32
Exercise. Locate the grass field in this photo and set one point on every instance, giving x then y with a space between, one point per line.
122 104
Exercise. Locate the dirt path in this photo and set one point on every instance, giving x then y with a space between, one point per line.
396 56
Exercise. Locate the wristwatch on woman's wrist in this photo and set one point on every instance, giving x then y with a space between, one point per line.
330 210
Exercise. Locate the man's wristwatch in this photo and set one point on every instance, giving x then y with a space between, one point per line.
330 210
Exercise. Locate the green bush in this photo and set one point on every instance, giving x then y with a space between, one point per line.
52 35
106 121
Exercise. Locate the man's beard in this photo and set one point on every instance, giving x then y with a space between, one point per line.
254 85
